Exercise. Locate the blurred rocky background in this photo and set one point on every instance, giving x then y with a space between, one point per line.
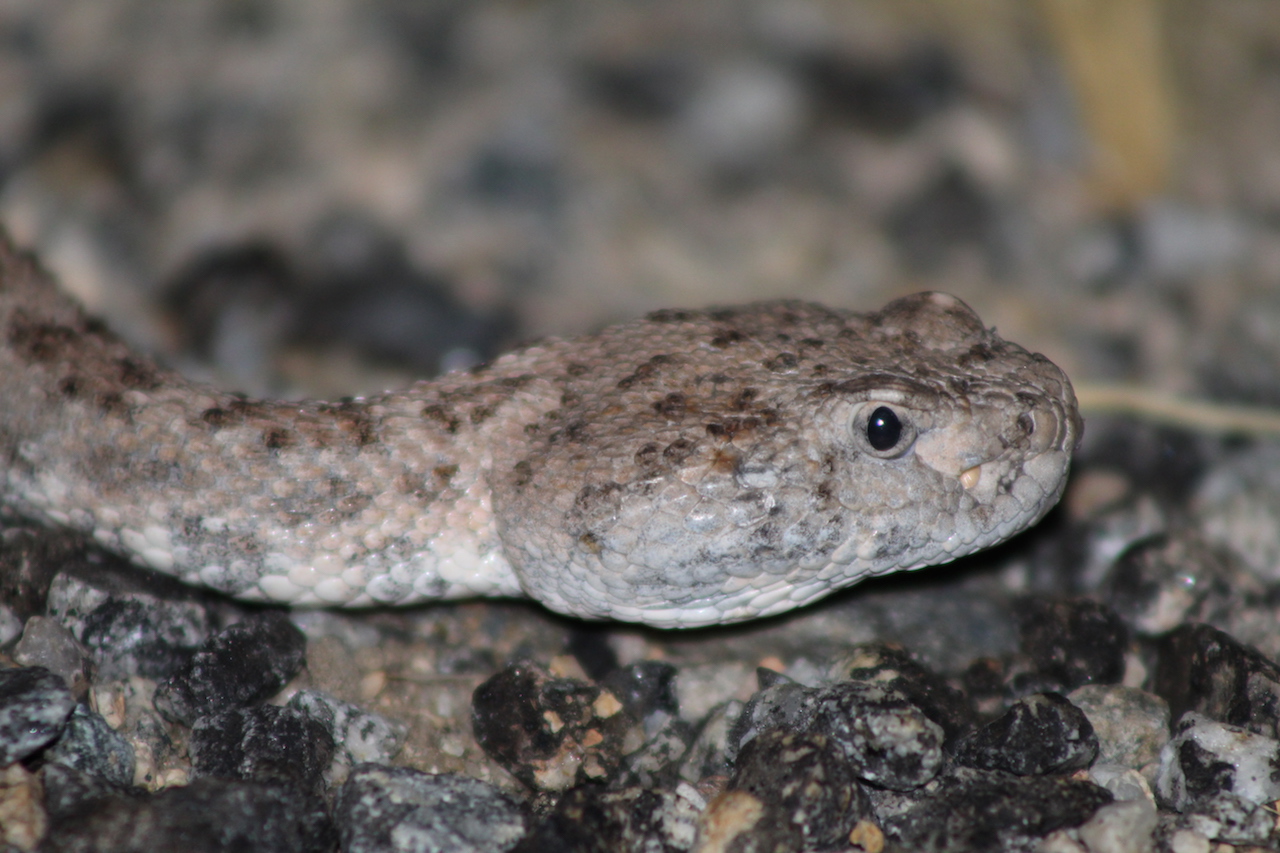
332 196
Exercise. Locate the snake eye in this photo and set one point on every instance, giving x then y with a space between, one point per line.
884 430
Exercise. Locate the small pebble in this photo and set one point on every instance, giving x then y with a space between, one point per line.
1160 582
1200 668
590 819
708 755
90 745
890 742
1237 506
894 667
265 743
979 810
1121 827
807 786
34 707
10 625
1206 757
1075 641
1228 818
550 733
1131 724
381 809
208 816
359 736
1043 733
46 643
22 815
146 626
1189 841
243 664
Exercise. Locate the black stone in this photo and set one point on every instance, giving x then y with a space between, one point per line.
1076 641
144 636
34 707
591 819
894 667
1040 734
889 741
886 97
644 688
985 811
807 786
534 725
266 743
68 792
30 557
1199 668
242 665
208 816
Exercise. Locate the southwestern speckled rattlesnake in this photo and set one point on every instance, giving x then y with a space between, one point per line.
686 469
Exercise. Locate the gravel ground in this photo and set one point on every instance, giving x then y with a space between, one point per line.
331 197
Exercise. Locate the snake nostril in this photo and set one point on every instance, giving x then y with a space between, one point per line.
1026 423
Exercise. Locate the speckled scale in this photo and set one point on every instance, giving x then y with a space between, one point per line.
686 469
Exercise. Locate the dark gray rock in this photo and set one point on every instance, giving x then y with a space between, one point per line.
807 786
1237 506
244 664
400 809
644 688
1163 581
68 791
1199 668
265 743
889 741
979 810
550 733
30 558
707 755
207 816
34 706
88 743
359 736
1074 641
133 623
657 763
896 668
1043 733
591 819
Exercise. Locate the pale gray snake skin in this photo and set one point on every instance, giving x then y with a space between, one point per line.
690 468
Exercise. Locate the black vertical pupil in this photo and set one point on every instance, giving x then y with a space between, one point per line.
883 428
